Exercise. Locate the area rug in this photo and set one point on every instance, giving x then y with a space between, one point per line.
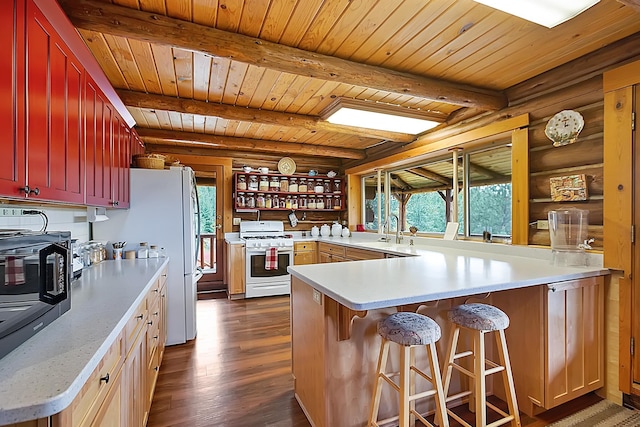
602 414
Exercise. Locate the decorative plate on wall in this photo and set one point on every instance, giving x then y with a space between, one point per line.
286 166
564 127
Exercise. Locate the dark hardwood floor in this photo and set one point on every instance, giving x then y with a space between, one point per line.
237 373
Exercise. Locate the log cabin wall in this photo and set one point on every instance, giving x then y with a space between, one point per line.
585 156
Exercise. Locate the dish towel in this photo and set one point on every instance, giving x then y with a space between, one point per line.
14 271
271 259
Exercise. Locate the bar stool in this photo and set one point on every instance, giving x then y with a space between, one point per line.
409 330
480 319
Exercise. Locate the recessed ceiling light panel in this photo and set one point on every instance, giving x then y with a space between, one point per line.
544 12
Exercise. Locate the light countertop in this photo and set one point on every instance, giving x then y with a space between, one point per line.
433 270
43 375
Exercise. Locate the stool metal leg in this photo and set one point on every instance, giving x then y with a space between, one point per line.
507 378
377 388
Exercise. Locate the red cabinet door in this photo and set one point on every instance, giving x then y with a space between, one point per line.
12 166
54 145
121 155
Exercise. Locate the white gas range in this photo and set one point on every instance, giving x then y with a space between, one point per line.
261 237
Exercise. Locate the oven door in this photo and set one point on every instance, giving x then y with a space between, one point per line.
261 282
256 271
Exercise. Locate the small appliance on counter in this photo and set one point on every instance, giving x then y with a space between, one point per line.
35 278
76 262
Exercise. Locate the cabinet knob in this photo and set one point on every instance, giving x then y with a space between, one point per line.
105 378
28 190
139 317
150 322
115 203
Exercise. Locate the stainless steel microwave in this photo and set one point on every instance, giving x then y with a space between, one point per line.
35 279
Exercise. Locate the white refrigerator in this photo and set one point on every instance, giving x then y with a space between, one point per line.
164 212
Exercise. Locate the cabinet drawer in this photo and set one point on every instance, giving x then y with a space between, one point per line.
331 249
360 254
153 325
304 246
134 325
94 391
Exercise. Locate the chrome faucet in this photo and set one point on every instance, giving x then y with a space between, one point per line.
387 224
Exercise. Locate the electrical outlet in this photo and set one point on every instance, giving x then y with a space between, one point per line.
10 212
236 221
317 297
542 224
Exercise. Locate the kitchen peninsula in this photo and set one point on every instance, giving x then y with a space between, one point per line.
335 308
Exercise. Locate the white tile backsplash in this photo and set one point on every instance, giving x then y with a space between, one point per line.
60 219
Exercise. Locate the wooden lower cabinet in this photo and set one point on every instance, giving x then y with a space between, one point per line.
235 270
555 340
120 389
328 252
304 253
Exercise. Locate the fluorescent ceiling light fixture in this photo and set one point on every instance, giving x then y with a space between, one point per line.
544 12
380 116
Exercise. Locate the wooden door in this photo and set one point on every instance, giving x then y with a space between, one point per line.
635 291
211 248
12 163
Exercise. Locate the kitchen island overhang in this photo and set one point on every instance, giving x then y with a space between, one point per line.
336 306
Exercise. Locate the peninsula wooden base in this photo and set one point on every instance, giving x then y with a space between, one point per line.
555 340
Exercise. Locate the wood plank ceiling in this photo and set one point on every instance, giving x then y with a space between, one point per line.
249 78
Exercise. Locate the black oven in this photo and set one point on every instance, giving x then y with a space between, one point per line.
35 278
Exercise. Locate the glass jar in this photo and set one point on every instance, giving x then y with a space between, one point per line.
264 183
153 251
318 186
336 186
337 202
250 201
268 203
320 202
327 186
293 185
242 182
284 184
302 188
260 201
328 202
287 203
240 200
253 183
274 185
143 250
311 204
294 202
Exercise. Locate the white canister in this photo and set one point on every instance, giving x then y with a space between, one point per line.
325 230
346 232
336 230
314 231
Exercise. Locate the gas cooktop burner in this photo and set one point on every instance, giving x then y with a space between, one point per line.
265 237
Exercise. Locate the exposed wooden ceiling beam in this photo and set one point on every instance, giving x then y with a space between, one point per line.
254 115
160 136
159 29
483 171
425 173
635 4
241 158
398 182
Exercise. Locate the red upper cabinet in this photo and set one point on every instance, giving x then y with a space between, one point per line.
107 151
53 111
12 165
